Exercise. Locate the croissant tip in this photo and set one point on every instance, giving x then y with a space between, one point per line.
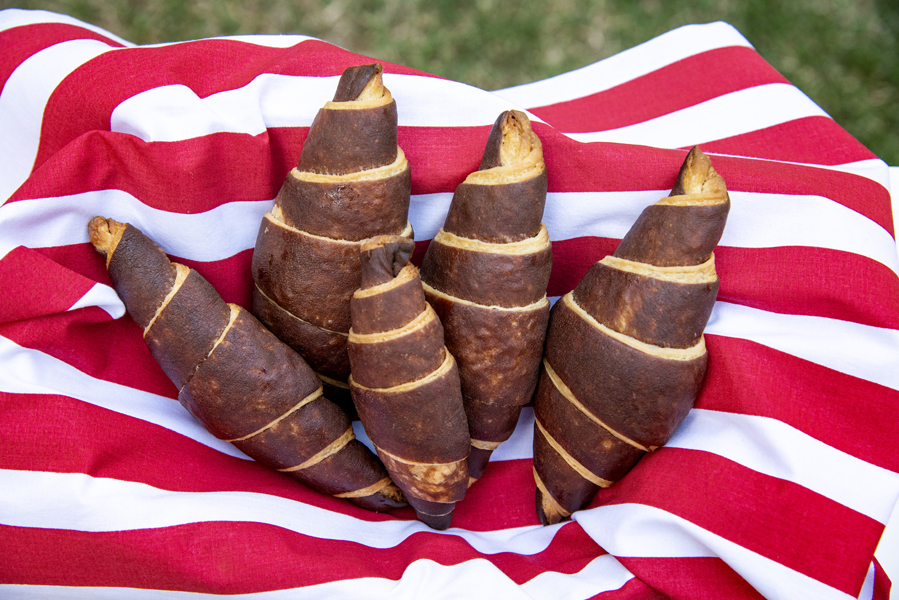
103 233
436 522
697 175
359 82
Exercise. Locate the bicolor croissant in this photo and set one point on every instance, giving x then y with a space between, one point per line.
625 354
405 384
485 273
352 182
236 378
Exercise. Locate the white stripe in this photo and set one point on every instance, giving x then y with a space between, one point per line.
27 371
728 115
766 446
650 56
867 592
104 297
643 531
863 351
79 502
756 221
15 17
779 450
216 234
423 578
22 104
272 100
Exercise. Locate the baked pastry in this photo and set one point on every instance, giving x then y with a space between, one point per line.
625 355
485 273
352 182
236 378
405 384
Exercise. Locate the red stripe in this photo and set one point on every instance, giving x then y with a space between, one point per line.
850 414
805 281
242 558
815 140
696 578
21 43
204 66
198 174
882 583
78 437
811 534
794 280
29 297
681 84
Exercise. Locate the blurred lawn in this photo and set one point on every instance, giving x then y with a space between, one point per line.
843 53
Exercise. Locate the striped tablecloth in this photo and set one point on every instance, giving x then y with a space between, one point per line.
778 485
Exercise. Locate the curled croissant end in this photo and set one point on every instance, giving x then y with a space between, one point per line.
485 273
236 378
352 182
405 384
625 355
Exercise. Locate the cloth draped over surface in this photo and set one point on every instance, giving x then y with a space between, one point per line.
778 485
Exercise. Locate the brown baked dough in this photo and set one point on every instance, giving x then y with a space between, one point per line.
352 182
485 273
405 384
235 377
625 355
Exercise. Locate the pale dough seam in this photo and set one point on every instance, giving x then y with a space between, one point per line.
685 354
181 273
295 408
528 307
531 245
419 322
329 450
366 491
548 498
569 395
287 312
571 461
444 367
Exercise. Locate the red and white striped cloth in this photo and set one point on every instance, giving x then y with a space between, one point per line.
778 485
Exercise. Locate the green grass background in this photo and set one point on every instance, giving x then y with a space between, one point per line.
843 53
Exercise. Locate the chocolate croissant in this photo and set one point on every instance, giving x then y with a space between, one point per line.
625 355
485 273
405 384
352 182
236 378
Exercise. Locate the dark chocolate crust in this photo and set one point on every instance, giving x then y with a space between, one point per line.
592 445
662 313
353 81
501 279
498 351
343 141
428 486
355 467
324 351
672 235
492 156
177 339
397 360
646 408
423 423
383 258
313 278
299 436
571 491
387 310
224 394
347 210
141 274
498 213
